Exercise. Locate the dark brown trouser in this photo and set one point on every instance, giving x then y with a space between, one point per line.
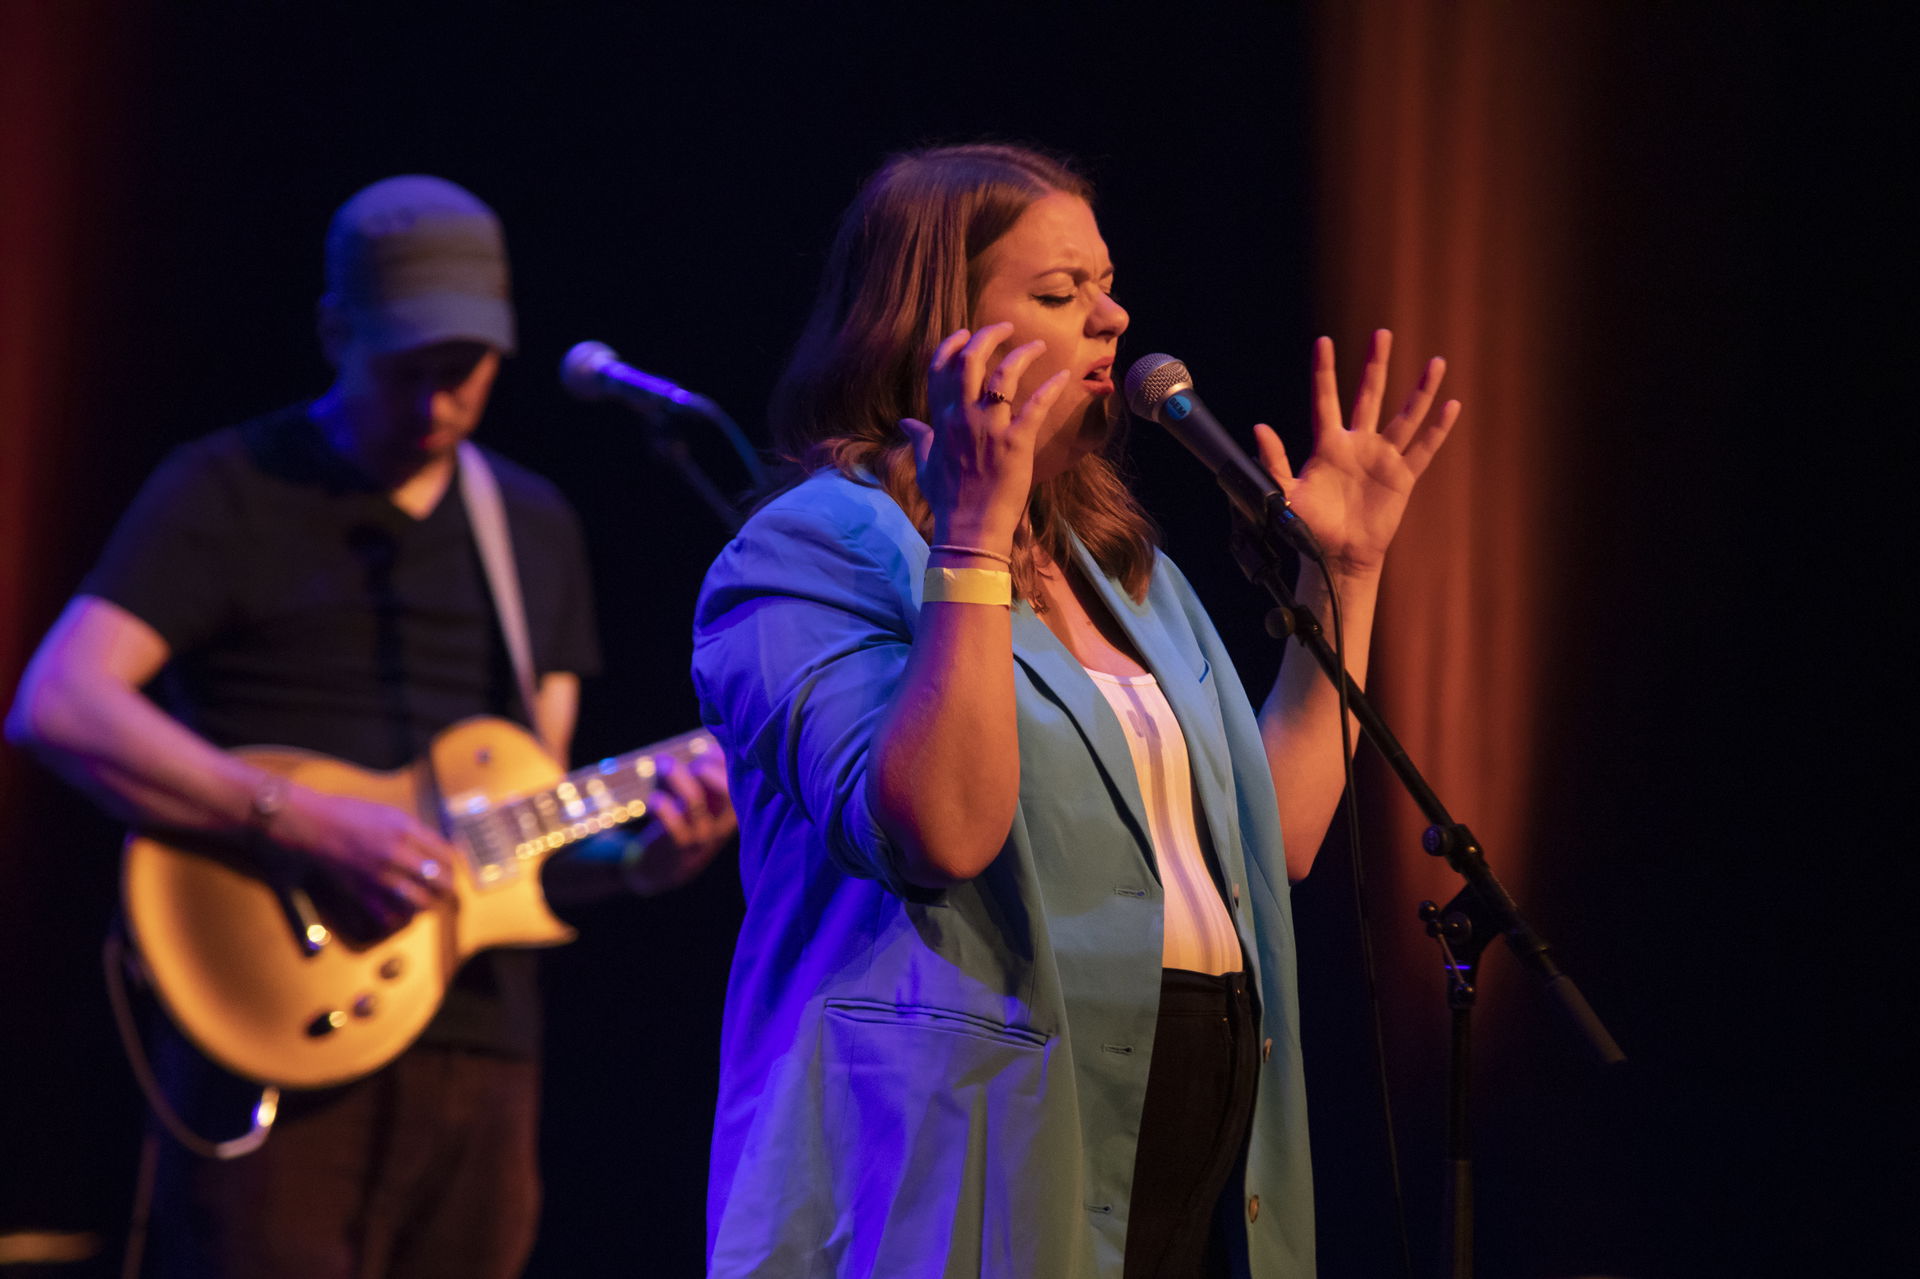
1193 1126
428 1168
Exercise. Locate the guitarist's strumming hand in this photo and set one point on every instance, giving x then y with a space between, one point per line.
383 859
79 707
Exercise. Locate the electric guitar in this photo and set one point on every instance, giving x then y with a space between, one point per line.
278 981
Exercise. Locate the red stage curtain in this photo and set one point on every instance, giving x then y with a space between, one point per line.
40 155
1445 140
45 66
63 93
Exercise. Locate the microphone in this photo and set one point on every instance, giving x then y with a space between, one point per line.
1160 389
592 371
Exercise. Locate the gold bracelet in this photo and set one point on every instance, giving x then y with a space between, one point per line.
968 586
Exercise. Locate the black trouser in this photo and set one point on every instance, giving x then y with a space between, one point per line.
1193 1128
427 1168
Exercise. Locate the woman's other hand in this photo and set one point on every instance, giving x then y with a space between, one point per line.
975 460
1354 488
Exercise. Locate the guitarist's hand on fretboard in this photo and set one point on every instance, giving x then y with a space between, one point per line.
375 860
694 820
690 819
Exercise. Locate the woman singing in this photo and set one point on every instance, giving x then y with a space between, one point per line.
1015 991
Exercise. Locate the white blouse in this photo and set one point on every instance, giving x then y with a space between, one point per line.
1198 934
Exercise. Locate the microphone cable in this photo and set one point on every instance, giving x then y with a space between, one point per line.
1369 969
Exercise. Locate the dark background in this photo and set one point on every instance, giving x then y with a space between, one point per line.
668 182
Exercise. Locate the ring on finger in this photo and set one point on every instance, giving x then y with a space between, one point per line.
990 398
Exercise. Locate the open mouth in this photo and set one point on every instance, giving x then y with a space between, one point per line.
1099 378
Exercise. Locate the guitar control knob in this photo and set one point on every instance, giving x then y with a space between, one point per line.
325 1024
392 967
366 1005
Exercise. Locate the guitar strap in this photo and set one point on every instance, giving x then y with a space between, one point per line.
120 959
487 515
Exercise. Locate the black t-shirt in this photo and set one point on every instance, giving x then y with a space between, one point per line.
304 609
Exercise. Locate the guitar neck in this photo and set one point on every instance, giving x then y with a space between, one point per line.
501 836
628 779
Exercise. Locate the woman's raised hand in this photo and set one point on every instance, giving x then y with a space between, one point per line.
1354 489
975 461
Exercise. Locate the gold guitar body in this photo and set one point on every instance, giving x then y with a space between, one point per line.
233 959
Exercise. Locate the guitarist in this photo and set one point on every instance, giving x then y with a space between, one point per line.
309 579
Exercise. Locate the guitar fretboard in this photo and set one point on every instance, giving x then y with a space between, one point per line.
501 837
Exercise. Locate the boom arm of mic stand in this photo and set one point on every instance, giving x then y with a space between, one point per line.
1261 554
671 449
730 429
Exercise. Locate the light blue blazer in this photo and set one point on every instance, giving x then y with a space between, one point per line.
943 1084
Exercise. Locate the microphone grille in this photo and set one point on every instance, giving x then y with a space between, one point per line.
1151 380
580 369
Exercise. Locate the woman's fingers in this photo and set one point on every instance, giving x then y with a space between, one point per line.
1408 431
1273 454
1005 379
948 345
972 359
1430 438
1326 390
1401 429
1034 411
920 436
959 379
1373 383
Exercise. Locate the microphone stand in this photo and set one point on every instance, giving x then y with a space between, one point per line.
1480 913
667 446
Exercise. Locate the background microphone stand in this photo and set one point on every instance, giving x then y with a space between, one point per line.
591 371
1478 914
667 445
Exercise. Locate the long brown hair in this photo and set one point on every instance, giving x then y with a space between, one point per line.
904 271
